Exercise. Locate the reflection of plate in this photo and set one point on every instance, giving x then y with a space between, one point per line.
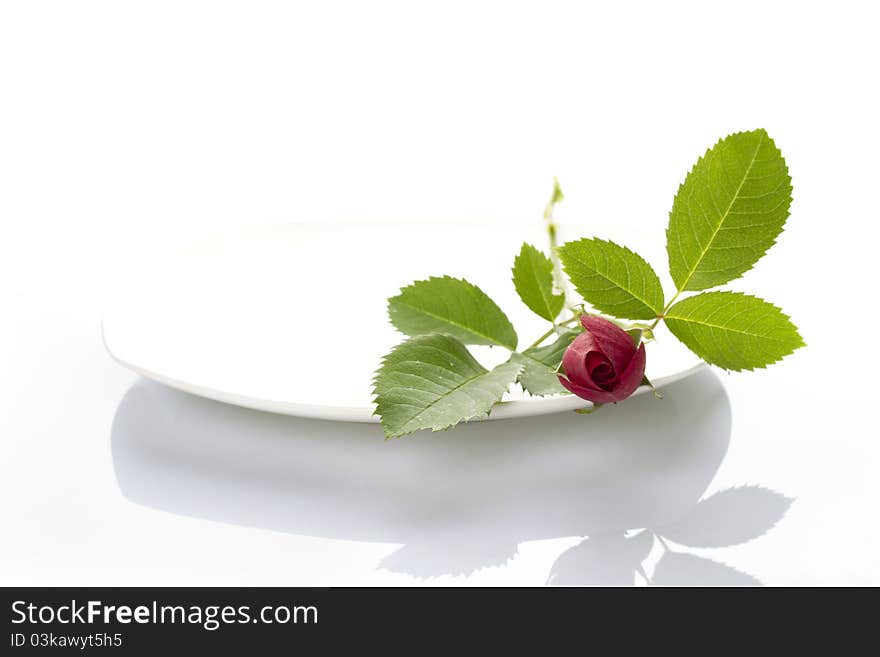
628 479
291 318
483 486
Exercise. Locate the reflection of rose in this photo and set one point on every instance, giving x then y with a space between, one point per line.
602 364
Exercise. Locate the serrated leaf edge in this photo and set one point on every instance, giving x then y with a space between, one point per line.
533 251
463 327
644 302
750 296
772 243
731 489
434 428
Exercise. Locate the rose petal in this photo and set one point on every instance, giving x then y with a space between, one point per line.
632 376
601 370
626 385
590 394
574 360
611 340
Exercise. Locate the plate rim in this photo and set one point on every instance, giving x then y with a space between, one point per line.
527 407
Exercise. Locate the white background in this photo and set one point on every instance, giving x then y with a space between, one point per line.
127 128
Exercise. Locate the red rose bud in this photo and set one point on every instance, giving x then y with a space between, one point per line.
602 363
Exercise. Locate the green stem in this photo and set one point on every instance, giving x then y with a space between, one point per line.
559 279
553 330
666 309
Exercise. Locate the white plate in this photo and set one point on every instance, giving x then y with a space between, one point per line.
291 318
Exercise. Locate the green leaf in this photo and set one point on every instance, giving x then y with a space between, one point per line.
433 382
733 330
538 375
452 306
728 212
533 280
636 336
612 278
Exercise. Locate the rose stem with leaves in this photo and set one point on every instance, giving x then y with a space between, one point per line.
726 214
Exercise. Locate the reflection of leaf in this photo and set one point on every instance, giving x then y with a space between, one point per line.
435 559
677 569
602 561
729 517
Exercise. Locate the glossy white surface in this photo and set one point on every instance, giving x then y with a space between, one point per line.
254 316
127 131
457 504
